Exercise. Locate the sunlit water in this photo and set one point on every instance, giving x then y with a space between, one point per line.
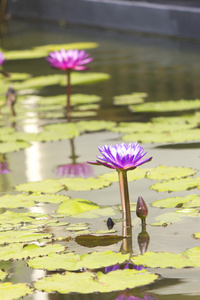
167 69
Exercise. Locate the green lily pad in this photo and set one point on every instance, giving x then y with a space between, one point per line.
177 185
91 126
56 185
86 283
5 131
13 201
11 291
83 114
13 146
72 262
75 99
86 107
96 213
134 98
41 198
162 260
19 251
187 201
177 105
76 207
196 235
164 137
78 78
166 173
10 217
136 174
3 275
21 236
193 255
58 47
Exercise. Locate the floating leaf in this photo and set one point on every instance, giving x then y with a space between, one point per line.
193 255
196 235
45 186
21 236
136 174
75 99
68 46
91 126
19 251
177 185
11 291
72 262
165 173
164 106
134 98
83 114
13 146
165 137
76 207
90 240
13 201
162 260
82 184
41 198
105 212
86 282
3 275
187 201
86 78
10 217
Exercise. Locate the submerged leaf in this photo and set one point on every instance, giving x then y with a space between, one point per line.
91 240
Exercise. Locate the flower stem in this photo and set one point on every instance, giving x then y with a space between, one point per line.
126 212
68 91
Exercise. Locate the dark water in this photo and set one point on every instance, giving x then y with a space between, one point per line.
166 69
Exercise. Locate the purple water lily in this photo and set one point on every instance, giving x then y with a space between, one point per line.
123 156
128 296
4 168
2 58
71 59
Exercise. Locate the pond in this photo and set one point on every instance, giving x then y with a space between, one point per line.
160 70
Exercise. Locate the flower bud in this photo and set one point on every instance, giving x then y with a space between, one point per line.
141 209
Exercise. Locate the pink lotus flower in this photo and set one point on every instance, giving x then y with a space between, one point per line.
2 58
69 60
121 157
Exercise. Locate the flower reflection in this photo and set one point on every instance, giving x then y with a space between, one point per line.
3 165
126 266
127 296
75 170
2 58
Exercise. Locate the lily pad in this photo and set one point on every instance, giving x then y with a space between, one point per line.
11 291
136 174
134 98
177 185
162 260
164 137
83 114
68 46
47 198
21 236
72 262
75 99
3 275
187 201
78 78
10 217
165 173
13 146
76 207
19 251
13 201
86 283
196 235
96 213
177 105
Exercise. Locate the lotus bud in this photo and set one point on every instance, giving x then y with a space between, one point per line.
141 209
110 223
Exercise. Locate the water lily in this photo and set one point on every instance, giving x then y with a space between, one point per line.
2 58
69 60
3 165
122 158
127 296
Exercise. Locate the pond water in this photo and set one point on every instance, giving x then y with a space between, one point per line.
165 69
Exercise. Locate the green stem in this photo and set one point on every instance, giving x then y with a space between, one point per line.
68 91
126 212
